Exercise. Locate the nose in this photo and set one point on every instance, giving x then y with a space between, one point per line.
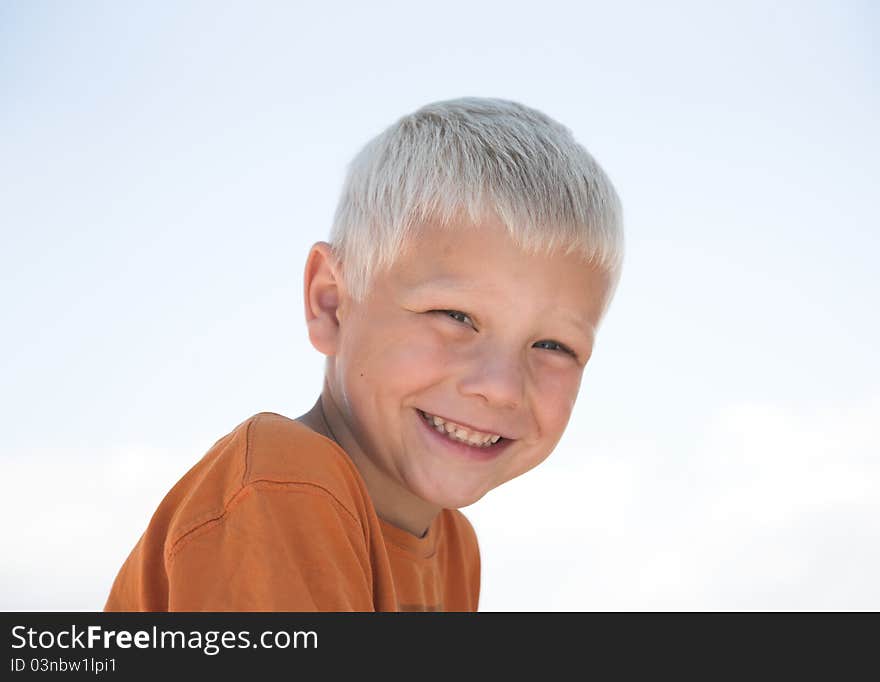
497 378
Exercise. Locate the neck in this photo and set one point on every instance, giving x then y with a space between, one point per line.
393 502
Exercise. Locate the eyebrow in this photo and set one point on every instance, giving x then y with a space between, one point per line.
582 326
443 282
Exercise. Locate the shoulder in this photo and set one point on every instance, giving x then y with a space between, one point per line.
266 451
461 561
458 528
279 449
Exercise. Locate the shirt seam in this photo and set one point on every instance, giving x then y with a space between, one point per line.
409 551
216 521
247 450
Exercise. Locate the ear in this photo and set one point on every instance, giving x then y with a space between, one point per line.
323 291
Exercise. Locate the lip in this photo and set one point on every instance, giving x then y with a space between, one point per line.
462 449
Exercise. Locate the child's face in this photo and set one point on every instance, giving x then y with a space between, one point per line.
467 328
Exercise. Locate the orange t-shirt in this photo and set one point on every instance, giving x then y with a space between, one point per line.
275 517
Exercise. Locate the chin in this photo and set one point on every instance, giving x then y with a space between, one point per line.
452 499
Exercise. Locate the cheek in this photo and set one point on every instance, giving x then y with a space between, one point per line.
554 396
392 359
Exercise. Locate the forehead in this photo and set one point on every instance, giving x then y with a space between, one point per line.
483 260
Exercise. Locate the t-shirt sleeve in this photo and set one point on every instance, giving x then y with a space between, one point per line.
276 547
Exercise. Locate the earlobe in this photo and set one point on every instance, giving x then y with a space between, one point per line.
322 291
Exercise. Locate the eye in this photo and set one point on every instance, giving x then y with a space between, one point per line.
458 316
555 346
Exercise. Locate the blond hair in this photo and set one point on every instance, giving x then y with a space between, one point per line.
474 156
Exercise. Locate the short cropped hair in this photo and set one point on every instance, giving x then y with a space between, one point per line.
474 157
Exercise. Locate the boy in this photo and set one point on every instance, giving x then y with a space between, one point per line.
474 252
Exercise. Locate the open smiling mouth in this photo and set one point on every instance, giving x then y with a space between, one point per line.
460 434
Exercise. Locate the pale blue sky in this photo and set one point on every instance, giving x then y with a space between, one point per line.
165 166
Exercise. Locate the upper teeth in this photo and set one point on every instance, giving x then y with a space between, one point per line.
460 433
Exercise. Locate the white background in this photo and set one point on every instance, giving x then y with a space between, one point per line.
165 166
